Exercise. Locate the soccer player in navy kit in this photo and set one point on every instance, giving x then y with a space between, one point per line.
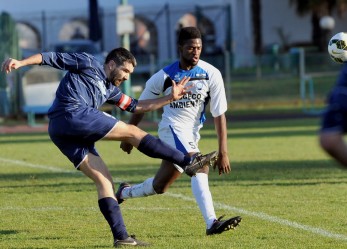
75 123
334 121
180 125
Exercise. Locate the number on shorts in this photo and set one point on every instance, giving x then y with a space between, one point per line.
192 145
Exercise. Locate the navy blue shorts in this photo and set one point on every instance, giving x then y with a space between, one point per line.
75 133
335 116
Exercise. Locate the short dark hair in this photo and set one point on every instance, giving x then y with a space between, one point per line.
188 33
121 55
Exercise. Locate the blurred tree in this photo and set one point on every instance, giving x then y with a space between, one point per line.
318 9
9 84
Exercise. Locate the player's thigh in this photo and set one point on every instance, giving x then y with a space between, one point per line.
127 133
165 176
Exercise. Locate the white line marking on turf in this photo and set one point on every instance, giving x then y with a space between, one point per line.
55 208
270 218
36 166
259 215
44 167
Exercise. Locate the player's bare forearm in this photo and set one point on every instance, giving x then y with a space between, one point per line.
152 104
223 163
221 129
11 63
136 118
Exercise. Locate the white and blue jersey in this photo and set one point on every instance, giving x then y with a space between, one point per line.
75 122
189 111
182 119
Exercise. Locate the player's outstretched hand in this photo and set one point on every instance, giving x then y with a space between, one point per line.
10 64
223 164
180 89
126 147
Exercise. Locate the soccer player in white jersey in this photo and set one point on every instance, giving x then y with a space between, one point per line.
180 125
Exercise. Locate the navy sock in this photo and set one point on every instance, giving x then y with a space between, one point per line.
110 209
156 148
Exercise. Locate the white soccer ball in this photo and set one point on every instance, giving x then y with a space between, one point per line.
337 47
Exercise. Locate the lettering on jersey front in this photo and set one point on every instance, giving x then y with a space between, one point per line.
186 104
187 101
194 96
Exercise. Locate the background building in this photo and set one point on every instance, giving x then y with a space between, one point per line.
226 25
260 35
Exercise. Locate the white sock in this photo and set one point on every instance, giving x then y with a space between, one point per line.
203 197
139 190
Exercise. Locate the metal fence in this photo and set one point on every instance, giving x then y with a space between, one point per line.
303 71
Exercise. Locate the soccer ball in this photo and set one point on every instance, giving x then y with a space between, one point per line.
337 47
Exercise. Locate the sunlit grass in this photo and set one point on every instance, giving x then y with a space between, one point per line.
289 193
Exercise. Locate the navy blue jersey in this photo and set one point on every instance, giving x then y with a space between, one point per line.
84 85
335 115
342 79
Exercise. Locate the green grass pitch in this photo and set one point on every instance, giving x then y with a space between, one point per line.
289 193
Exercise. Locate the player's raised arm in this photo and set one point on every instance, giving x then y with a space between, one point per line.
11 63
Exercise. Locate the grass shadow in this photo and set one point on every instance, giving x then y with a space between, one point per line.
284 173
8 232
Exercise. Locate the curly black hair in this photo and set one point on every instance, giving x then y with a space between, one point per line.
188 33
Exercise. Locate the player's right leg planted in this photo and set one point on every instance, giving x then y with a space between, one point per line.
111 211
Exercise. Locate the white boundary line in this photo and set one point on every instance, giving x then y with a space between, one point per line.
258 215
270 218
35 166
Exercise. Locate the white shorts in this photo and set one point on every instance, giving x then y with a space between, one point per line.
185 140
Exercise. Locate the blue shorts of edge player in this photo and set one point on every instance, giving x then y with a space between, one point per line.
75 133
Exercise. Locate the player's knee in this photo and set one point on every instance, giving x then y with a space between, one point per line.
133 135
159 189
